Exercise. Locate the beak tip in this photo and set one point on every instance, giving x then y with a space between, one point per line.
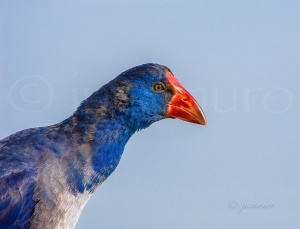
202 122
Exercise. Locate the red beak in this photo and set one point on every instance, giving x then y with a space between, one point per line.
183 105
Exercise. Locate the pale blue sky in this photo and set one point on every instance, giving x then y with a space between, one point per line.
240 59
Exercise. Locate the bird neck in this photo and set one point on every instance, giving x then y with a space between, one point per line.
99 139
100 128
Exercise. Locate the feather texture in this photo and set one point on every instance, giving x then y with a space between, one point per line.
47 174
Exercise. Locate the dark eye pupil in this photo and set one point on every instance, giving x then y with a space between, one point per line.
158 87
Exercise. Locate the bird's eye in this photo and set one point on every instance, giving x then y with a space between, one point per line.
158 87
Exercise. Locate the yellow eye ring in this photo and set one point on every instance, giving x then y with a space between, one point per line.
158 87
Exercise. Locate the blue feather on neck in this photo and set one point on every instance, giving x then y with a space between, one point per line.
105 122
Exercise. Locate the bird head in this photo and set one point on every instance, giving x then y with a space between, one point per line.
153 93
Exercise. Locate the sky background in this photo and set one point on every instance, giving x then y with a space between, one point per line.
240 60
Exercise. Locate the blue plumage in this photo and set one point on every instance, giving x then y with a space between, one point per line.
47 174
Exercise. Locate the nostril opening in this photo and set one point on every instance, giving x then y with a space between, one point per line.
184 99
